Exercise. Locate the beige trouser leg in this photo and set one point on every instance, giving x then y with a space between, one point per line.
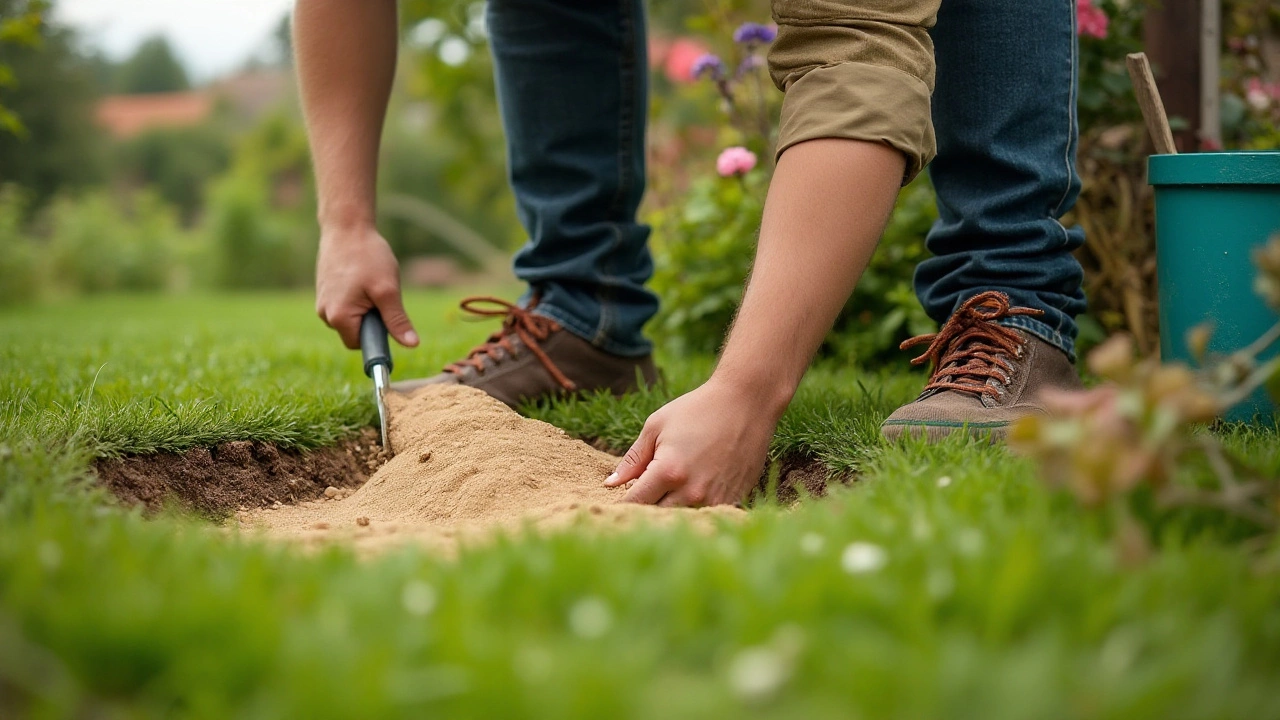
861 70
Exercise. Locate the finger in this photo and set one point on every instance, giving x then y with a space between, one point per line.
637 458
650 488
391 306
347 327
688 495
350 334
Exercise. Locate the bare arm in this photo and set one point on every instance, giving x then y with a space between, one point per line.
827 206
346 57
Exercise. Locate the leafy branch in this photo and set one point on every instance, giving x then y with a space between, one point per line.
23 29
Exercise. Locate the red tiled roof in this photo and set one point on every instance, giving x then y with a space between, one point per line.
127 115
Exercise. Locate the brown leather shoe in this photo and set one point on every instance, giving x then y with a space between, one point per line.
985 376
532 357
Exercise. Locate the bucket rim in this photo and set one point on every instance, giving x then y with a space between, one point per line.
1218 168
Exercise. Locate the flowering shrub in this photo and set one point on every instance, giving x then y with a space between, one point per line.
705 233
1127 438
1091 21
704 238
1251 77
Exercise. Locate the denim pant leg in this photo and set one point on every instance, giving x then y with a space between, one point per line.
1004 110
573 93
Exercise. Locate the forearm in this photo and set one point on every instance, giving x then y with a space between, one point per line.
827 207
346 56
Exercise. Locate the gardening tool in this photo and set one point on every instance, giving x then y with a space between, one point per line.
376 353
1149 102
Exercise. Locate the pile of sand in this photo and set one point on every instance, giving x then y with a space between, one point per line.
467 467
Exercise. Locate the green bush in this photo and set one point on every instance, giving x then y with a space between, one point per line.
703 250
177 162
260 216
19 255
98 244
702 254
256 246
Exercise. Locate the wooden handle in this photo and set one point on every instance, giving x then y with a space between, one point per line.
1144 87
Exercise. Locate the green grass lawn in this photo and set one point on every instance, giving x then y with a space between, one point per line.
947 582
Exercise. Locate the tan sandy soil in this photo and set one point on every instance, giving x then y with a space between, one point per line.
468 468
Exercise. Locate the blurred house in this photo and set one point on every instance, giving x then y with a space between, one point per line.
246 96
127 115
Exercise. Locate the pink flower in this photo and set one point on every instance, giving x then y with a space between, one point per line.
1091 21
735 161
680 59
1257 93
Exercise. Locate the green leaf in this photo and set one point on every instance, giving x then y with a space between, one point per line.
11 123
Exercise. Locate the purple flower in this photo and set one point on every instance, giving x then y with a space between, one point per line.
748 33
749 63
708 64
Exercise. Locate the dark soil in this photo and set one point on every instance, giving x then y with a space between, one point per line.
800 473
219 480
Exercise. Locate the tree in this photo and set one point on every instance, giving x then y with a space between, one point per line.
153 68
19 25
52 95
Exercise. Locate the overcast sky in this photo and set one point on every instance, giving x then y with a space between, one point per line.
211 36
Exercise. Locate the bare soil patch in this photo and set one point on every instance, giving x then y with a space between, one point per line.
467 468
801 475
237 475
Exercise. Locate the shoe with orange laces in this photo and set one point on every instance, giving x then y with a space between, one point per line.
985 375
532 357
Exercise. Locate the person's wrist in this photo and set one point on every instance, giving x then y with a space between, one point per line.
761 390
345 220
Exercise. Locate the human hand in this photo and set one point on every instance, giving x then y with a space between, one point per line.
355 272
707 447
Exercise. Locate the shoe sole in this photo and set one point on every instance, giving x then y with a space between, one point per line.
939 431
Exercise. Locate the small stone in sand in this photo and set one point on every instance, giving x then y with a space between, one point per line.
425 456
321 526
362 521
331 492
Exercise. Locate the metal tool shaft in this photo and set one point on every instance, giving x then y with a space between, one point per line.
376 353
381 379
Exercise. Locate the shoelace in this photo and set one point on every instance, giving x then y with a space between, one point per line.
971 348
516 321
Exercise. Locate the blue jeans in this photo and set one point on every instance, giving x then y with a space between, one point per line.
1004 111
572 88
573 91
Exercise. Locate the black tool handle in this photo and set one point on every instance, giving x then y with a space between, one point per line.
373 342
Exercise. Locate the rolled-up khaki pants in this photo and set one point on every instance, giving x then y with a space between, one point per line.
856 69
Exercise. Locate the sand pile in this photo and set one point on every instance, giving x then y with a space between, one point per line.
466 466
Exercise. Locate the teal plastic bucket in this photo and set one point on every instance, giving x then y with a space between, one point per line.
1212 209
